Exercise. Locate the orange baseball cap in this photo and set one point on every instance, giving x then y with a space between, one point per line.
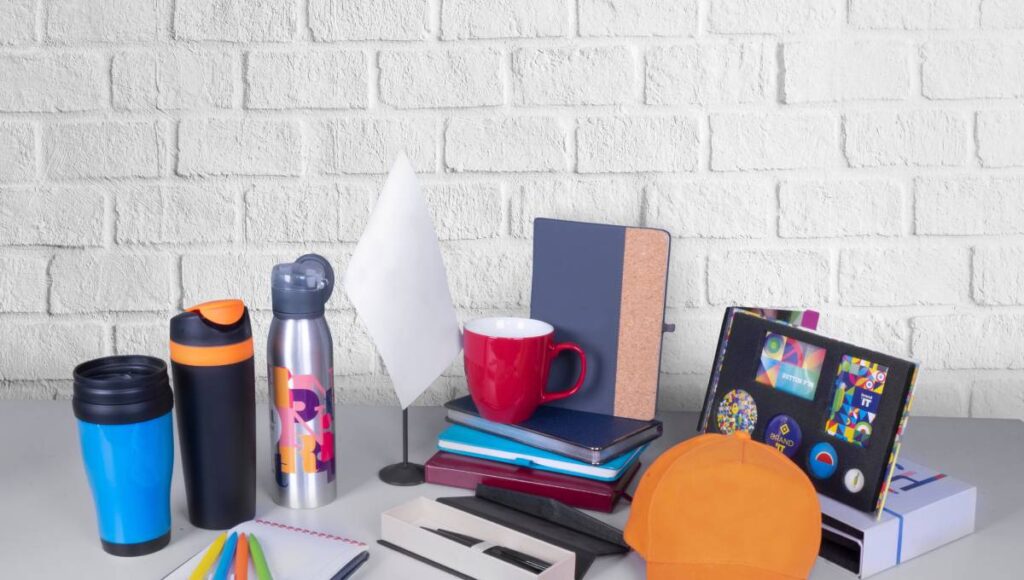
725 507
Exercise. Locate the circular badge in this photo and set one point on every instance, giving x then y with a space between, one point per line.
863 429
737 412
774 344
823 460
783 433
854 480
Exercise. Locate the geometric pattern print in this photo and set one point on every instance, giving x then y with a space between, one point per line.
790 365
858 391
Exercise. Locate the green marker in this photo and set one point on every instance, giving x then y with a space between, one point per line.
258 560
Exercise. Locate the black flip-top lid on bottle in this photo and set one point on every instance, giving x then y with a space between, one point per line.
115 390
216 323
300 289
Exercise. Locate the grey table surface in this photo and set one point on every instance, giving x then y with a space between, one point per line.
49 528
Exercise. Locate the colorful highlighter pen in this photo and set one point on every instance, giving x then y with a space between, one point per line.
258 561
208 558
242 559
226 558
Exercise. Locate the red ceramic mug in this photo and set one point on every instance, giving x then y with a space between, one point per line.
507 365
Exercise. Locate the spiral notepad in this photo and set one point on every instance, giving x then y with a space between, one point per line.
294 553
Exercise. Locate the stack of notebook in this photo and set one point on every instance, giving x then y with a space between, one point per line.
582 459
602 287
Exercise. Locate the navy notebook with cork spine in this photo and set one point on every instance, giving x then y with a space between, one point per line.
603 287
590 437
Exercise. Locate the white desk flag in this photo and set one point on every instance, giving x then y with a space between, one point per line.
397 282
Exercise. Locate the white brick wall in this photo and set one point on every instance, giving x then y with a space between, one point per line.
760 141
914 14
101 21
179 79
296 79
573 76
846 71
710 72
863 157
459 77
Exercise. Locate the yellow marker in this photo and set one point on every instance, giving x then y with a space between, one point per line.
209 558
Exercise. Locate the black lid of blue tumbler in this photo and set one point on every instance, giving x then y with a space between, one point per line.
116 390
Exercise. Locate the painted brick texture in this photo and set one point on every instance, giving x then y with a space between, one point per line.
861 157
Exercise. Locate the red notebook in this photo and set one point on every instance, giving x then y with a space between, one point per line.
466 472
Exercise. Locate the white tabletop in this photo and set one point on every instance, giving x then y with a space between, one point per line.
49 528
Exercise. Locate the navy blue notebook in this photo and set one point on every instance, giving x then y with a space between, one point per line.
603 287
590 437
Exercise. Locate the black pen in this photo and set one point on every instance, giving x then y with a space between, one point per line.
507 555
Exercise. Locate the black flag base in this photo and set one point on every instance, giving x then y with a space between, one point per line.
403 473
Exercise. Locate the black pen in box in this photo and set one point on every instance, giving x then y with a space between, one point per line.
401 527
514 557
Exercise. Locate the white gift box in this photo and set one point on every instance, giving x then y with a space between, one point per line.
925 509
400 526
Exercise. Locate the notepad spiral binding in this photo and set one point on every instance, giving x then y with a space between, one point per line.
310 532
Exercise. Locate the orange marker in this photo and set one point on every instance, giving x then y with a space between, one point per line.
242 559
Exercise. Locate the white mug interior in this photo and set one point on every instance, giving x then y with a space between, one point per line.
509 327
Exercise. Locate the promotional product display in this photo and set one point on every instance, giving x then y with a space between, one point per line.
300 361
214 384
603 287
123 409
465 441
507 365
925 510
469 472
278 551
796 456
547 520
412 529
725 507
835 409
589 437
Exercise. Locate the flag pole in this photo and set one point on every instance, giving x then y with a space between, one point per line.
403 473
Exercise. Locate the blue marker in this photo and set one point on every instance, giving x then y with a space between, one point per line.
227 557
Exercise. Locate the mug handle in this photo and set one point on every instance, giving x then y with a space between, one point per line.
547 397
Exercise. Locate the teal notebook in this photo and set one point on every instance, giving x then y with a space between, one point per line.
466 441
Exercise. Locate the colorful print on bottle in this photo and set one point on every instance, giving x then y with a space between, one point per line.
303 421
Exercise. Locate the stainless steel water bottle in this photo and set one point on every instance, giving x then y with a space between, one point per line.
301 376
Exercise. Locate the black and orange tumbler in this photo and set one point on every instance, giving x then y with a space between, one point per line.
214 388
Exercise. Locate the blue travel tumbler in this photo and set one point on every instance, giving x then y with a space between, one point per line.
123 405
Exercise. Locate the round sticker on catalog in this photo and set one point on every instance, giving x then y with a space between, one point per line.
737 412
